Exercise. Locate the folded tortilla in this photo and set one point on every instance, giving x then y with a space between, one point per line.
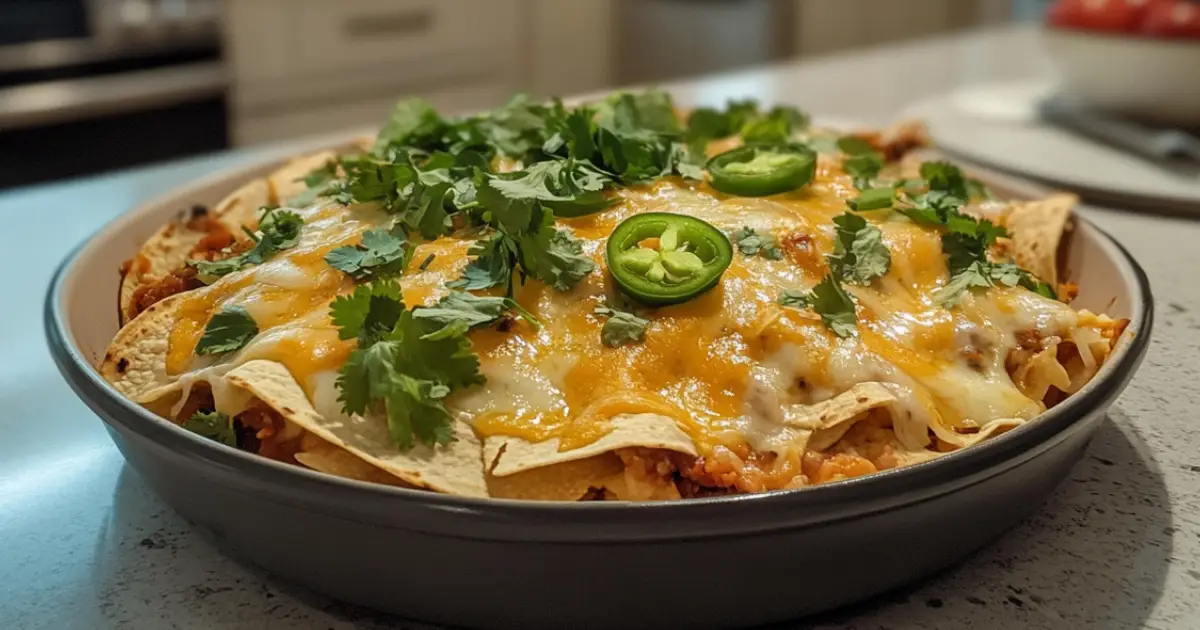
168 250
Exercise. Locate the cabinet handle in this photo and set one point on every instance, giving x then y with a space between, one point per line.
385 24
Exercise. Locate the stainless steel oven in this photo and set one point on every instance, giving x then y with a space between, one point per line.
94 85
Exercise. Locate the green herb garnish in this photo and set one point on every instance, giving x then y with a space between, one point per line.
277 230
403 368
229 330
829 300
751 243
621 327
380 254
859 255
212 425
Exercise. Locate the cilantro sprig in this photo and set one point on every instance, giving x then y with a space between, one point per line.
862 161
228 330
278 230
404 367
859 255
459 312
380 254
829 300
751 243
966 240
213 425
621 327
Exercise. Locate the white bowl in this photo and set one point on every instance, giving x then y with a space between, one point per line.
1156 80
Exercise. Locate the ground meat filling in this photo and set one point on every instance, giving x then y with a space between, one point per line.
151 293
268 433
216 244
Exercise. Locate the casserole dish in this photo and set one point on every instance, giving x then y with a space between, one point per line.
495 562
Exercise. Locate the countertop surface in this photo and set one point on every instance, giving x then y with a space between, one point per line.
86 545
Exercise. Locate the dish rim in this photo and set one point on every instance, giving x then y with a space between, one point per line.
880 491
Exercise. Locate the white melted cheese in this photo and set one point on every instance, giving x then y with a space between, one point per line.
725 363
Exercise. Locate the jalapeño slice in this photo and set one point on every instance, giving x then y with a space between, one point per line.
761 170
659 258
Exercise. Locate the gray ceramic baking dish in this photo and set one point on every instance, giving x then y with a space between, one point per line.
719 562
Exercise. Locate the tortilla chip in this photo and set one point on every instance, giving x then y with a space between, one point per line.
908 458
324 457
168 250
1036 229
454 469
509 455
988 430
136 359
831 419
288 181
566 481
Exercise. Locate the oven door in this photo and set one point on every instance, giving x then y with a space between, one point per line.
83 125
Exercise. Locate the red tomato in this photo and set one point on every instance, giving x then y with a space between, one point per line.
1173 19
1120 16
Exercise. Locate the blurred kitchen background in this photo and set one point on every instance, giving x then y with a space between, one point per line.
94 85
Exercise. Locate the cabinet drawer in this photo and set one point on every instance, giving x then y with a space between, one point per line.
279 39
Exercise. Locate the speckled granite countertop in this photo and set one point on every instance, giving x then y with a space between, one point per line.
83 544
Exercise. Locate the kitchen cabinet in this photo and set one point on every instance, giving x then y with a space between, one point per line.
824 26
309 66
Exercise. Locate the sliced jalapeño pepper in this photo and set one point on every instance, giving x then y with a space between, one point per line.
761 170
659 258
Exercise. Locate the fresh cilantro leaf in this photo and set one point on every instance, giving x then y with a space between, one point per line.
862 161
226 331
706 123
767 130
873 199
370 179
775 127
621 327
278 230
1037 285
859 255
495 257
975 275
947 178
853 145
414 122
210 270
924 216
863 167
369 312
829 300
978 190
687 163
636 135
751 243
379 255
518 128
212 425
574 131
634 156
553 256
405 375
458 312
569 187
650 110
318 182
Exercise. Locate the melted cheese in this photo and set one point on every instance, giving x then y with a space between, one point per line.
721 365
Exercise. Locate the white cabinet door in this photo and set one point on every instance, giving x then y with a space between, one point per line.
830 25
